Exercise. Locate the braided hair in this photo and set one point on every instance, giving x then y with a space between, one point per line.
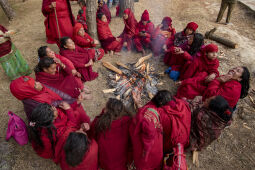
45 62
245 82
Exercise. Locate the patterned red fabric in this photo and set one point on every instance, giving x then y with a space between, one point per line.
65 18
147 138
5 48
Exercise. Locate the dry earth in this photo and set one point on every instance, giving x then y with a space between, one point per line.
235 149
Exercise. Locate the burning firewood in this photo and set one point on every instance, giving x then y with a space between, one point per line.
109 90
141 60
150 95
111 67
122 65
148 69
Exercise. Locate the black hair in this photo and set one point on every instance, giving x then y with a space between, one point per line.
197 43
80 12
81 2
219 105
100 15
77 144
162 98
190 34
114 109
63 41
42 51
245 82
45 62
42 117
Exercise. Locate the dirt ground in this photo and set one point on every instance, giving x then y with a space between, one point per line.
235 149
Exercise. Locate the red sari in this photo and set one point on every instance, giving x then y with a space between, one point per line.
147 138
105 10
108 41
83 41
163 37
176 120
65 20
79 57
7 45
130 28
201 64
113 144
60 124
231 91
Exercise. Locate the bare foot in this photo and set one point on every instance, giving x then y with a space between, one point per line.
86 96
117 53
195 158
178 83
86 90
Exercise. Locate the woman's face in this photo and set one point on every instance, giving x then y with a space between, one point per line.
81 32
55 113
190 39
212 55
188 31
144 22
104 19
70 44
125 16
51 70
38 86
50 53
236 73
100 4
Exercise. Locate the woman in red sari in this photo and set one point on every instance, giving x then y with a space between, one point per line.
82 39
129 30
231 86
111 131
147 134
108 41
163 36
206 63
144 31
103 9
75 151
64 16
47 124
81 58
33 93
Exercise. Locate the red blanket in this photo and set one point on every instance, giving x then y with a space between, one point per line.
5 48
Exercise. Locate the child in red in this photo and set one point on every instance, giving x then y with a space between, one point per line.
147 133
108 41
111 131
81 17
144 31
82 39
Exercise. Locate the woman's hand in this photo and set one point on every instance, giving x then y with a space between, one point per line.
137 98
90 63
85 127
210 78
178 50
64 106
224 78
53 5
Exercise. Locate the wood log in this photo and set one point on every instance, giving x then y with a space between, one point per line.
109 90
141 60
210 35
148 69
111 67
122 65
9 12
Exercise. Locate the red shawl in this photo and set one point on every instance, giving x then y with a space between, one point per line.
146 135
130 24
113 144
86 41
148 28
5 48
201 64
176 120
25 90
64 83
105 10
79 57
231 91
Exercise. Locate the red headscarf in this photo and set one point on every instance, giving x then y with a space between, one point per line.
210 48
167 21
22 89
192 25
131 22
77 28
145 16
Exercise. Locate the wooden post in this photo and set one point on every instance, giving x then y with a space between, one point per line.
91 17
124 4
9 12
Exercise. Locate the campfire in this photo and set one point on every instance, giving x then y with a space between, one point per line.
140 77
